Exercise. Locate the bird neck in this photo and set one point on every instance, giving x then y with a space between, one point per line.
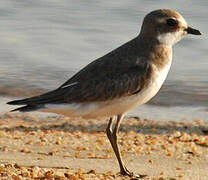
155 52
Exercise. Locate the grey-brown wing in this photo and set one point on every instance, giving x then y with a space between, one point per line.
109 87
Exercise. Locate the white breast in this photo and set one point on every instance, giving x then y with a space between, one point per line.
156 83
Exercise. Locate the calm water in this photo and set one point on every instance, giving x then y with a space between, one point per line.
44 42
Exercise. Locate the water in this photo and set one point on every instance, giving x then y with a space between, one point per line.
44 42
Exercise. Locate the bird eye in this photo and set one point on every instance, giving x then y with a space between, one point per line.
171 22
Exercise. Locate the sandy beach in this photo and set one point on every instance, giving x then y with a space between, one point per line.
35 146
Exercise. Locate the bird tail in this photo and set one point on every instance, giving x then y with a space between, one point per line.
37 102
17 102
25 108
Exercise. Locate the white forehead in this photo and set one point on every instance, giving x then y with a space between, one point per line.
182 20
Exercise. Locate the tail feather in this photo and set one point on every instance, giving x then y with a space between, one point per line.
37 102
52 96
28 108
17 102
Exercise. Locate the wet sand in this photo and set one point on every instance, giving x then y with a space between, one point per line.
54 147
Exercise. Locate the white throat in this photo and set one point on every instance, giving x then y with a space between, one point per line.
170 38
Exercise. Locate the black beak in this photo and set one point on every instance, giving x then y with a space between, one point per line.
193 31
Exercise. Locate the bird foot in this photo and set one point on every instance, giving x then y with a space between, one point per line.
126 172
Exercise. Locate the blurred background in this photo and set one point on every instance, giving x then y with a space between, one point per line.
44 42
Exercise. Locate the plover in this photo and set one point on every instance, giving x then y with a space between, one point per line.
126 77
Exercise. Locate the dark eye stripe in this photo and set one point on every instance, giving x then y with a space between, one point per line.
171 22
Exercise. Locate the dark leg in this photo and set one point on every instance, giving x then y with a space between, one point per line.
112 136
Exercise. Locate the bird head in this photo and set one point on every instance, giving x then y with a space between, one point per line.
166 26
